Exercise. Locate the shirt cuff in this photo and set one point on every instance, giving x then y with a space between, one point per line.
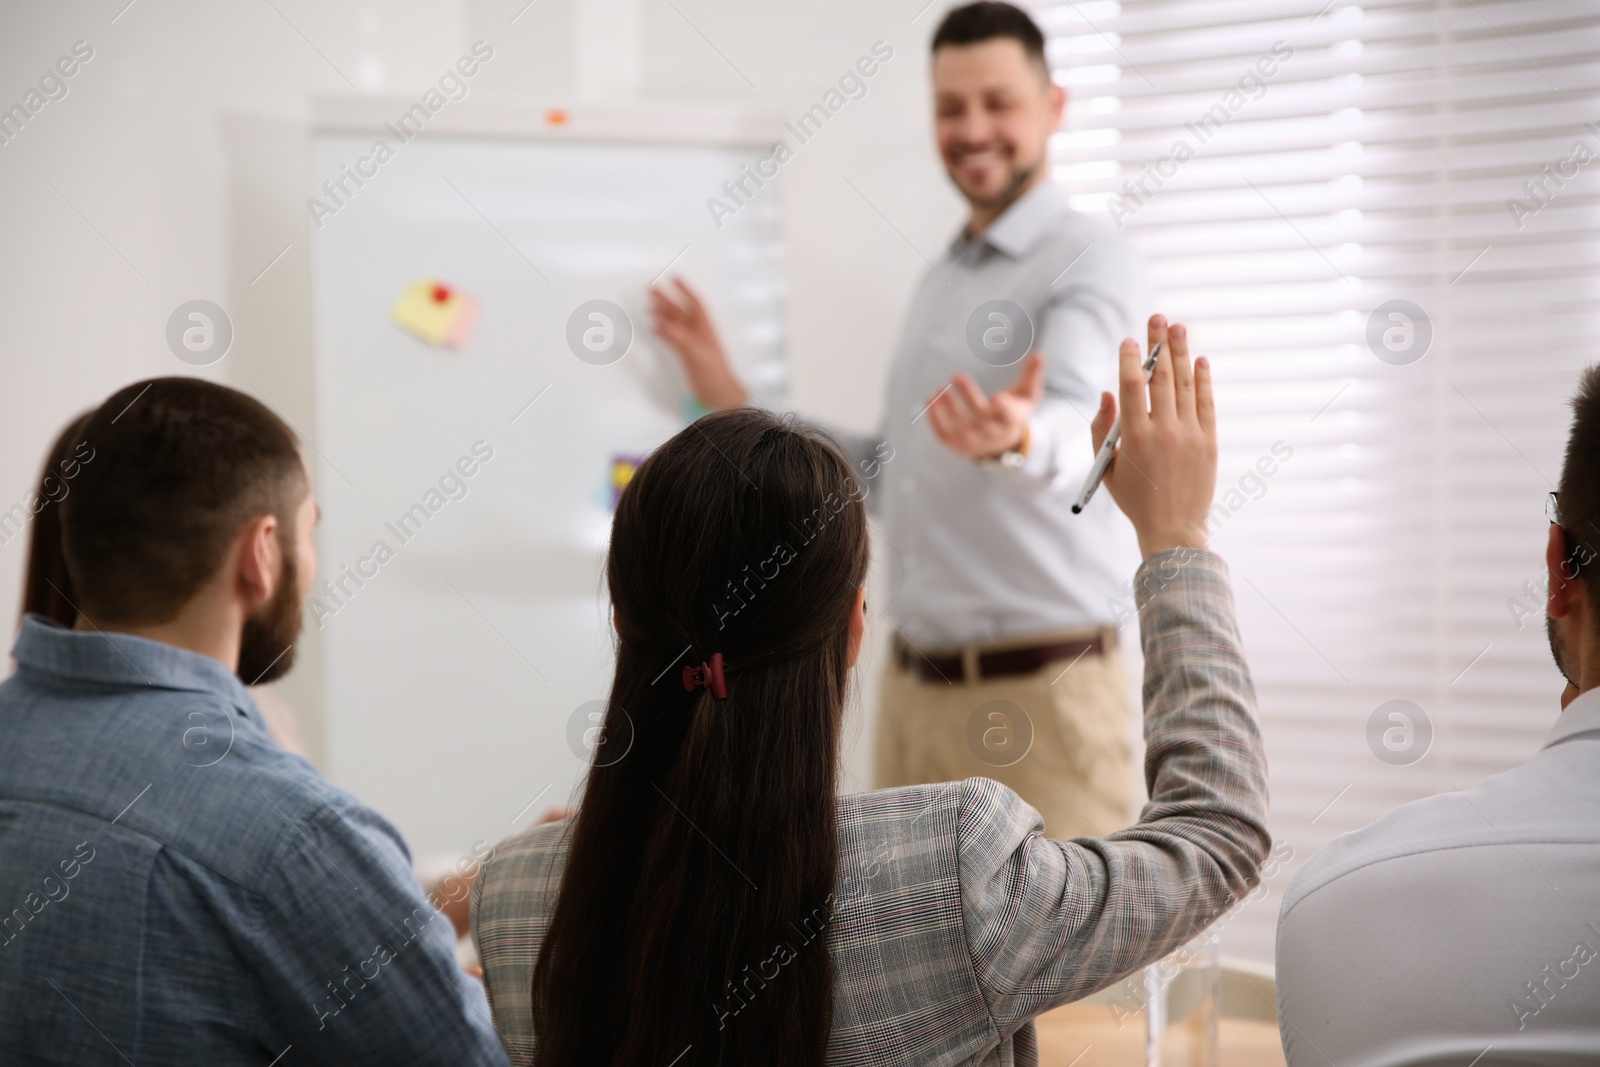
1040 462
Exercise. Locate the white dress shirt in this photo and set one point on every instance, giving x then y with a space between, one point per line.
1462 925
977 553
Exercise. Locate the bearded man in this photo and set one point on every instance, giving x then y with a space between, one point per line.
175 887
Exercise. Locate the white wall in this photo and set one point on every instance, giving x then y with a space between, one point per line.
177 166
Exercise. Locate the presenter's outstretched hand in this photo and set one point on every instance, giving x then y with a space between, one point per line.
681 320
977 426
1165 470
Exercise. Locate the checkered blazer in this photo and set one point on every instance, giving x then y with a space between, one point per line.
955 921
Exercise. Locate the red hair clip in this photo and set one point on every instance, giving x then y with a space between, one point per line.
707 676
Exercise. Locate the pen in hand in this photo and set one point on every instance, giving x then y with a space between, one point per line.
1108 447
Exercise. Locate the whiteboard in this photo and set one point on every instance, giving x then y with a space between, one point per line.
457 664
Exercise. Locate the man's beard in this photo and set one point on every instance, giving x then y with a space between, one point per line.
1558 650
266 650
1020 178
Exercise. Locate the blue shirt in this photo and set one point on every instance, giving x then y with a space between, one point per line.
176 889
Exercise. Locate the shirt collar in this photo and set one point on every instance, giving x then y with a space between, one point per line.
1021 225
1582 716
125 660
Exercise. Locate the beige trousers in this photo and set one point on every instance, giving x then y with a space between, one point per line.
1059 736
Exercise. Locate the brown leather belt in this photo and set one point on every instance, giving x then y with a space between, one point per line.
999 663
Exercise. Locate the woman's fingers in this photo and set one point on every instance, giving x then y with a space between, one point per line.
1130 383
1172 445
1204 404
1162 401
1100 425
1155 330
1182 372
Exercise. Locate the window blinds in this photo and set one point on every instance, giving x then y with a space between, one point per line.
1380 220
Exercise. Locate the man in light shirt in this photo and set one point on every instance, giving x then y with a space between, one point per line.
1004 661
1465 928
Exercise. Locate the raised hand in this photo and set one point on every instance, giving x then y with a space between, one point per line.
681 320
1165 470
973 425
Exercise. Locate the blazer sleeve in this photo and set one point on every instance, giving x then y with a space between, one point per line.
1048 922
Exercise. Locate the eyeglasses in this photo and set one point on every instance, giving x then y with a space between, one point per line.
1578 557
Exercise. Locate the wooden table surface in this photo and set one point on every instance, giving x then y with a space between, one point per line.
1087 1035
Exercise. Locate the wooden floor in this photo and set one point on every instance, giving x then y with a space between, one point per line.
1087 1035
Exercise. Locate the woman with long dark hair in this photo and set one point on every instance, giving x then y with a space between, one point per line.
715 901
46 587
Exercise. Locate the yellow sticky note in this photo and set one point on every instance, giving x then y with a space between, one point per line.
436 313
622 468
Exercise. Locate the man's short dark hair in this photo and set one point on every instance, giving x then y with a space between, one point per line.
1578 495
988 20
181 465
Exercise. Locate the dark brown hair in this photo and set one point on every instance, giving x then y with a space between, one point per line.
987 20
180 466
704 854
1578 494
46 586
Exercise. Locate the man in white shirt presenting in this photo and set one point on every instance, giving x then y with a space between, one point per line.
1005 662
1465 928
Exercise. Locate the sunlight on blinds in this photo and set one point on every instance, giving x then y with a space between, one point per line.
1380 220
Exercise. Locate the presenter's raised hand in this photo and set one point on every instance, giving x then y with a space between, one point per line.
973 425
681 320
1165 470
